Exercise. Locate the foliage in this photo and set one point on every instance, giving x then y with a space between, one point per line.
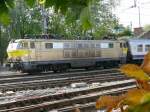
120 31
24 21
146 63
109 102
103 20
126 32
134 71
59 5
3 45
92 14
136 99
5 6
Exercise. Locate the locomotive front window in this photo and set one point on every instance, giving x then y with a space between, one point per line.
140 48
23 45
48 45
147 47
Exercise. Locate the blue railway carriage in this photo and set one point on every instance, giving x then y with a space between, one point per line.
137 49
29 55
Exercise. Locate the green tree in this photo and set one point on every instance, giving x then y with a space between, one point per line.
3 44
24 20
120 31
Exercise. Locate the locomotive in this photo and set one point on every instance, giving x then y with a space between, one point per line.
37 55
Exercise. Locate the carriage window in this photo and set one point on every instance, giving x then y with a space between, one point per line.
32 45
140 48
147 47
48 45
111 45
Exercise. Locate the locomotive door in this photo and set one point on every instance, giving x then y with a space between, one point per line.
32 48
124 50
98 50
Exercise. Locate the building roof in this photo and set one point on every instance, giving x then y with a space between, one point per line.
145 35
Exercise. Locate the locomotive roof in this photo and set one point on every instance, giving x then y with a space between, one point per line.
56 40
139 40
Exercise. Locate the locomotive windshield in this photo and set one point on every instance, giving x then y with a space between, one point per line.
13 45
22 45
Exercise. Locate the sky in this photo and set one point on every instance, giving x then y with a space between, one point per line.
130 16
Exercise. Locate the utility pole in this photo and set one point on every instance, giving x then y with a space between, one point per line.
44 20
44 16
139 12
1 60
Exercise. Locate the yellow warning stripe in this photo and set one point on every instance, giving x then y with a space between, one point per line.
17 53
125 50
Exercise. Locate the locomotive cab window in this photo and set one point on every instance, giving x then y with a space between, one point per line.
23 45
123 45
147 47
32 45
111 45
48 45
140 48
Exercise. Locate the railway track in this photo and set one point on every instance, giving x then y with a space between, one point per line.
15 76
87 107
59 82
62 101
52 80
64 97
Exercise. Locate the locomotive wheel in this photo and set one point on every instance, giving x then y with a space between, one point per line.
64 67
60 67
55 68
